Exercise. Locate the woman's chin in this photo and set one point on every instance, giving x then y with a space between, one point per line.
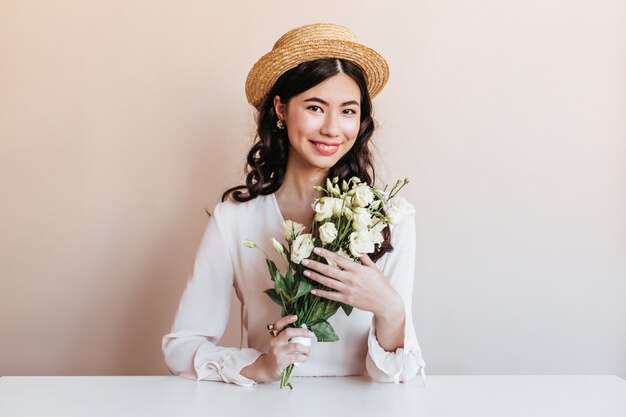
322 163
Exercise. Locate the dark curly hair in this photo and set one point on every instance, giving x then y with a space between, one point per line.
267 159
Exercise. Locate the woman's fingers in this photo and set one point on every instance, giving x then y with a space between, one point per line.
289 333
291 348
298 348
285 353
297 358
327 270
282 353
284 321
341 261
332 283
367 261
297 331
333 296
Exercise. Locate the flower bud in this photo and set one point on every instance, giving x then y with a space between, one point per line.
249 243
277 245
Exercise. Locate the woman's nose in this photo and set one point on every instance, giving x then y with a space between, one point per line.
330 127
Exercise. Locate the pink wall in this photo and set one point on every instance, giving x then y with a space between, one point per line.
121 122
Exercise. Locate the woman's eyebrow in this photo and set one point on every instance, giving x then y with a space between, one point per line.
319 100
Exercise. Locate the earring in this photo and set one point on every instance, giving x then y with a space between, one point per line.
280 124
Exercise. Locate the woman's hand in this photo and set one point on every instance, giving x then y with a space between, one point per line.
269 366
363 286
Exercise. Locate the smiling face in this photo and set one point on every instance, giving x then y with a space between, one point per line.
322 122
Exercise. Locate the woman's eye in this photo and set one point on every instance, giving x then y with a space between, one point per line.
315 108
349 111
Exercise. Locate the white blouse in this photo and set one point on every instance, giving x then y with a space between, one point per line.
222 263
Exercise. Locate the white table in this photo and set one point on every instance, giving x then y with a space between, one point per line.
455 396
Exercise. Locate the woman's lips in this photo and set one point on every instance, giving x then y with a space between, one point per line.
324 148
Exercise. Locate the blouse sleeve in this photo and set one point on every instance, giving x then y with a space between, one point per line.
191 350
399 268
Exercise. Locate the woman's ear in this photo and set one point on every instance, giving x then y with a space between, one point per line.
279 108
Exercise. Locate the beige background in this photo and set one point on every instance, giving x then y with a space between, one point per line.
122 121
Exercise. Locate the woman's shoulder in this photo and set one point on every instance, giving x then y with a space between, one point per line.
231 210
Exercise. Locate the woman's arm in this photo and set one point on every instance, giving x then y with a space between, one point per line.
190 349
387 293
403 363
390 324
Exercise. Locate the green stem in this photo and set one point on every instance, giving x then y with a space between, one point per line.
312 308
285 376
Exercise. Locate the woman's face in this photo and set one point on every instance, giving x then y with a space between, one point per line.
322 122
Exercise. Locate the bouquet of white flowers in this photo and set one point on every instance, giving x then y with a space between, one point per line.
349 220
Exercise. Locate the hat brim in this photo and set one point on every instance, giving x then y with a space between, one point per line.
272 65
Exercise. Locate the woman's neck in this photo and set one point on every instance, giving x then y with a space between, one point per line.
299 181
296 194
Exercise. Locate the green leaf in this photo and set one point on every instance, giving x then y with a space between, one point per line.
304 288
316 313
289 281
281 286
346 308
324 332
322 311
329 310
273 270
274 296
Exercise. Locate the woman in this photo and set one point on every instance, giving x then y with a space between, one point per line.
313 95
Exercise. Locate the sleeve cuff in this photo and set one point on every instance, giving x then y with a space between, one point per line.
398 366
225 367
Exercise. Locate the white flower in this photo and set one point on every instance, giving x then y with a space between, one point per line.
291 230
361 243
277 245
340 252
328 232
377 238
377 232
363 195
398 208
341 205
301 247
347 213
374 205
323 208
361 220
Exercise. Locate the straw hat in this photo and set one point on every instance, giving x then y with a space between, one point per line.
310 42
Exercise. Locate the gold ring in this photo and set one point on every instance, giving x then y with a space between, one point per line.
274 332
270 326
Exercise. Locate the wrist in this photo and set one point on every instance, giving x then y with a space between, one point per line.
390 325
391 310
258 371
